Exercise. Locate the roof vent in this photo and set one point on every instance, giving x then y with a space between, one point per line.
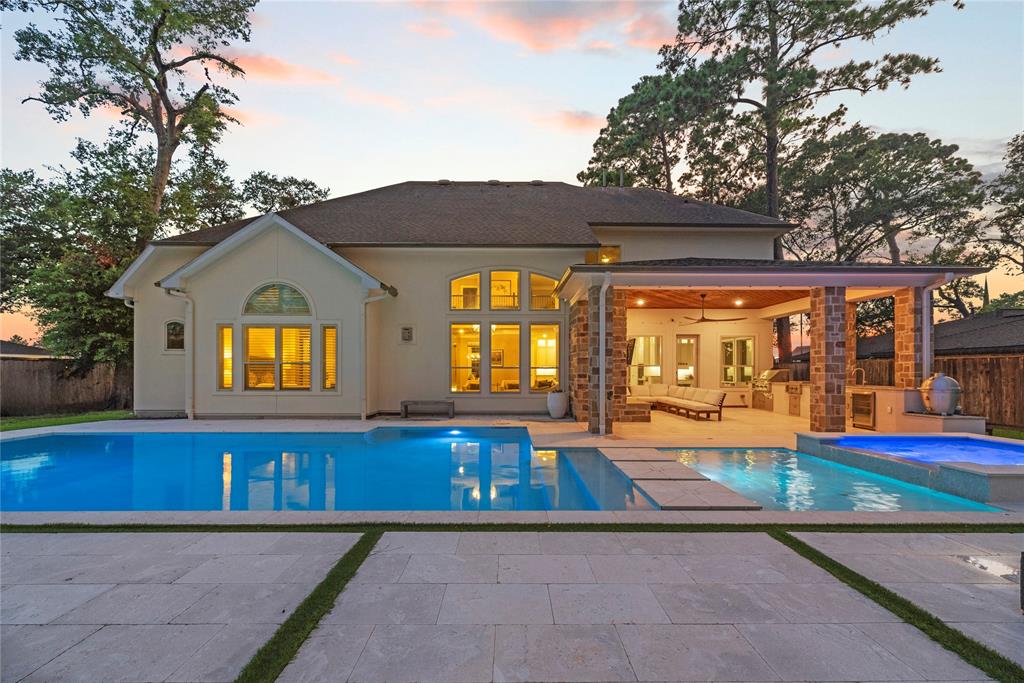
444 181
536 182
494 182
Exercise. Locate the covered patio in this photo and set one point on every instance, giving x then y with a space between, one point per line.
707 323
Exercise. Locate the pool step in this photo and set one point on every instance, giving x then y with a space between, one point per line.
693 495
636 454
664 471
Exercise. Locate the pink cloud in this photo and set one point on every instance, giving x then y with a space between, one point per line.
342 58
650 30
601 47
432 28
264 67
540 27
576 121
252 117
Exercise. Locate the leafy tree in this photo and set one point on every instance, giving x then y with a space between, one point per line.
861 196
202 193
34 224
136 57
1006 193
761 60
1008 300
266 192
644 136
18 339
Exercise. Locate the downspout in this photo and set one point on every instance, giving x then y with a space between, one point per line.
190 335
601 353
388 291
926 324
129 302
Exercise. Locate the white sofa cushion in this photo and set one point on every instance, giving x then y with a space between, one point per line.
675 392
638 390
689 392
715 398
658 389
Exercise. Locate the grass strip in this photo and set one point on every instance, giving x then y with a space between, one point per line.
971 651
271 659
380 527
9 424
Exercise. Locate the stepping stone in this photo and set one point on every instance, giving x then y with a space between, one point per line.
637 454
671 470
694 495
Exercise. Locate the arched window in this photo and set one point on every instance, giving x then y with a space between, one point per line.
276 299
174 336
465 293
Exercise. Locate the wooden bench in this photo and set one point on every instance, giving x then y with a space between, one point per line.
440 405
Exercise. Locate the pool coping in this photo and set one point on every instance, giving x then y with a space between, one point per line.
991 484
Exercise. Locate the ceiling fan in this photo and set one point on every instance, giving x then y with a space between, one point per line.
704 319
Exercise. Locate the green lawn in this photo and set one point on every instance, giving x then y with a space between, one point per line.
29 421
1008 433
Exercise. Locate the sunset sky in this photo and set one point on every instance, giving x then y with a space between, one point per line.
357 95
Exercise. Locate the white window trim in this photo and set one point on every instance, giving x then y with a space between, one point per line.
314 351
696 359
173 352
721 361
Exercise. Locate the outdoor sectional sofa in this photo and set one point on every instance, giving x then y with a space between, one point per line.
688 401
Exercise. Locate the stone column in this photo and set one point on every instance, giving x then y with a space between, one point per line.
579 360
615 358
828 359
907 319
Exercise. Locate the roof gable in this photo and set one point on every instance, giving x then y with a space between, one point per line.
248 232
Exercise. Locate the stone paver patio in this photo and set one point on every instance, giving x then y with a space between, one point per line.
150 606
970 581
525 606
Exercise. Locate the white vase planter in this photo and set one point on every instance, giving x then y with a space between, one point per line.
558 404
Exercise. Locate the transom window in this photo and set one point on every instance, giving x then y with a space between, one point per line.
504 290
465 293
277 299
542 293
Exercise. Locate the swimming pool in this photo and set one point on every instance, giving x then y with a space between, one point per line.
781 479
936 449
383 469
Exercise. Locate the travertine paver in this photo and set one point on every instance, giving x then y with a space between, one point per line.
659 470
182 607
641 606
970 581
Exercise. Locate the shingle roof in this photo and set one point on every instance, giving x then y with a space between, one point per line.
439 213
16 349
1000 331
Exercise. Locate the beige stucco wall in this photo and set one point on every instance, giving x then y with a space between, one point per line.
219 293
667 323
159 375
395 370
641 245
420 370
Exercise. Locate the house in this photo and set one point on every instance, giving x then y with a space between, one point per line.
490 294
9 349
996 332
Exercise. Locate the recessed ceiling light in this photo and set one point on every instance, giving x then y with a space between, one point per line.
739 302
640 302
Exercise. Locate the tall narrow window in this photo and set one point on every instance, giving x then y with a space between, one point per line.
330 351
504 290
686 360
737 361
225 377
296 355
544 357
542 293
260 358
174 336
465 357
465 293
644 359
505 358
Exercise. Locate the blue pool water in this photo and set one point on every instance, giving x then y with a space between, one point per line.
781 479
936 449
384 469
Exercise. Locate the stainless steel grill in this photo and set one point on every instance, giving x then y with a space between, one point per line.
763 383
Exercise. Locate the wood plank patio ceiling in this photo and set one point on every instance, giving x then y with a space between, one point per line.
717 298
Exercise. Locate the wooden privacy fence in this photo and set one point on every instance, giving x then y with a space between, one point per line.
38 387
992 386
